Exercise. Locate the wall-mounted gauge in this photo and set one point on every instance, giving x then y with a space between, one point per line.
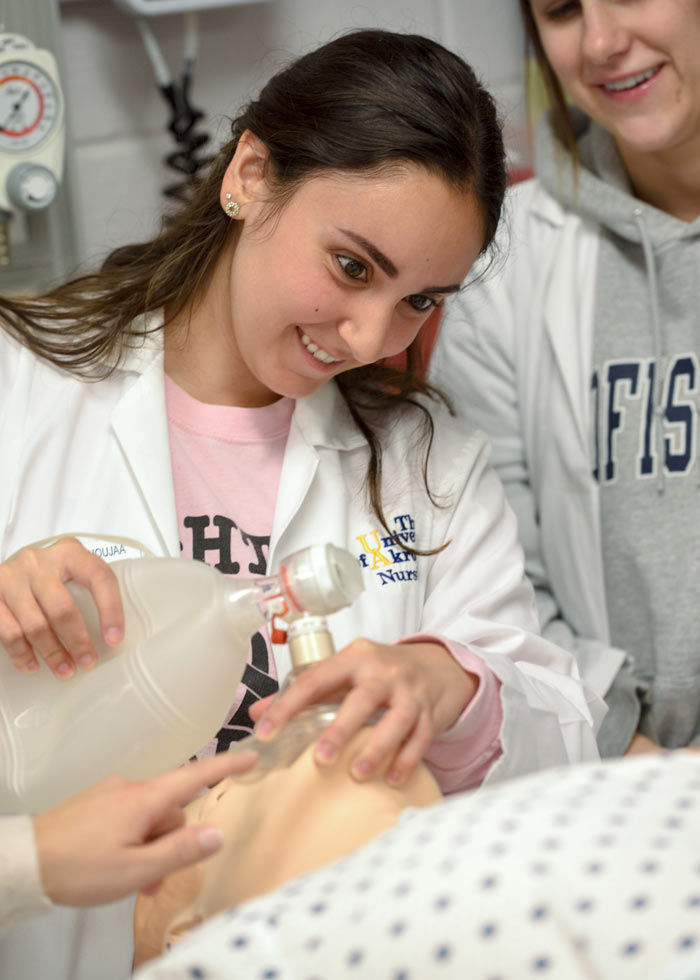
32 137
29 105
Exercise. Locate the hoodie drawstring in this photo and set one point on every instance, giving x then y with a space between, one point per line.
659 347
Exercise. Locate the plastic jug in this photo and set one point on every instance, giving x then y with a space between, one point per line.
163 693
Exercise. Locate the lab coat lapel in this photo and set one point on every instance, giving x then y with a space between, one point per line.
141 427
568 325
298 472
320 423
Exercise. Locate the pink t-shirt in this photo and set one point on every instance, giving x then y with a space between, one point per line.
226 468
227 463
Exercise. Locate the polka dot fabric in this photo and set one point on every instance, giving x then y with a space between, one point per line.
587 872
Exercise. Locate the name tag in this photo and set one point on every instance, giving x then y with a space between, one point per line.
111 550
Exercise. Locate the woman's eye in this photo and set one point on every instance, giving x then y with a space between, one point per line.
562 10
353 268
422 303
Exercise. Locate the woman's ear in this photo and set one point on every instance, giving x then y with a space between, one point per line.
244 178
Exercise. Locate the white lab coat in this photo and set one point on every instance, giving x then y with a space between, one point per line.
524 332
94 458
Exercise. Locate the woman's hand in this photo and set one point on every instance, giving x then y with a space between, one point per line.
38 615
423 689
641 745
120 836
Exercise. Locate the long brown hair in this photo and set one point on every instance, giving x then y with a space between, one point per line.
559 118
365 101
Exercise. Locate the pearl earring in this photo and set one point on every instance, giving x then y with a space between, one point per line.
231 207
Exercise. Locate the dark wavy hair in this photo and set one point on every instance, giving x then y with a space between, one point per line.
366 101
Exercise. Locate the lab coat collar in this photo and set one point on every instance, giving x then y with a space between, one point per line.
546 207
324 420
147 340
321 420
140 424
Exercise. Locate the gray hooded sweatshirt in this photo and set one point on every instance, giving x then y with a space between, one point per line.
644 438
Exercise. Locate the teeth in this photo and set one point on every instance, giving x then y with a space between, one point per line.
630 82
320 355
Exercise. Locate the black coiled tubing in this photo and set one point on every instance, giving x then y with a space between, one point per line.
187 158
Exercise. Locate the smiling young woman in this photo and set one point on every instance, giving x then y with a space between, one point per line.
360 262
220 393
633 68
580 357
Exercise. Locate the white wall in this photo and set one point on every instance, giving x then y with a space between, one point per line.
117 117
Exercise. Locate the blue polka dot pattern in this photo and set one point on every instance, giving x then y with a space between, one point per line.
631 949
639 902
570 873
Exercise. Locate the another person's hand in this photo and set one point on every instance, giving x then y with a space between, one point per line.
38 615
423 689
121 836
640 744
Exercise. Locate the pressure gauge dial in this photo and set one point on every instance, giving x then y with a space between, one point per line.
29 106
32 129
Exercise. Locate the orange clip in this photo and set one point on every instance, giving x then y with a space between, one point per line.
277 634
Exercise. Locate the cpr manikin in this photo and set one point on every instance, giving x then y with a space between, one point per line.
293 820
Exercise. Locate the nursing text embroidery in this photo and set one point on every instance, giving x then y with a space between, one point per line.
387 559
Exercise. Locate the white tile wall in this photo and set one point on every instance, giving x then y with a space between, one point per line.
117 117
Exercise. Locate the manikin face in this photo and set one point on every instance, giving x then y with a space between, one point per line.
632 65
344 275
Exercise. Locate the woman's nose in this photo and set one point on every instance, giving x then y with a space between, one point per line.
604 32
366 331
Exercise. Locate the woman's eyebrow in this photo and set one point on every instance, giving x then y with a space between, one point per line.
379 257
388 266
454 287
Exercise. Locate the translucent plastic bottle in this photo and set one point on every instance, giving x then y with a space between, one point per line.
158 697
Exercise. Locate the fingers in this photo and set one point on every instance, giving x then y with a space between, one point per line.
15 642
171 820
258 708
121 835
152 862
53 626
320 681
419 686
75 563
179 786
399 739
170 845
375 677
411 754
39 616
355 711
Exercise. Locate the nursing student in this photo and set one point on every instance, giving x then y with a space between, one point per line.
578 355
220 393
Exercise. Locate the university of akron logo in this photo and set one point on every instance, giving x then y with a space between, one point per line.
382 555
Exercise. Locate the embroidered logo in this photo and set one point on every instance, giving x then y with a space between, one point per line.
382 554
